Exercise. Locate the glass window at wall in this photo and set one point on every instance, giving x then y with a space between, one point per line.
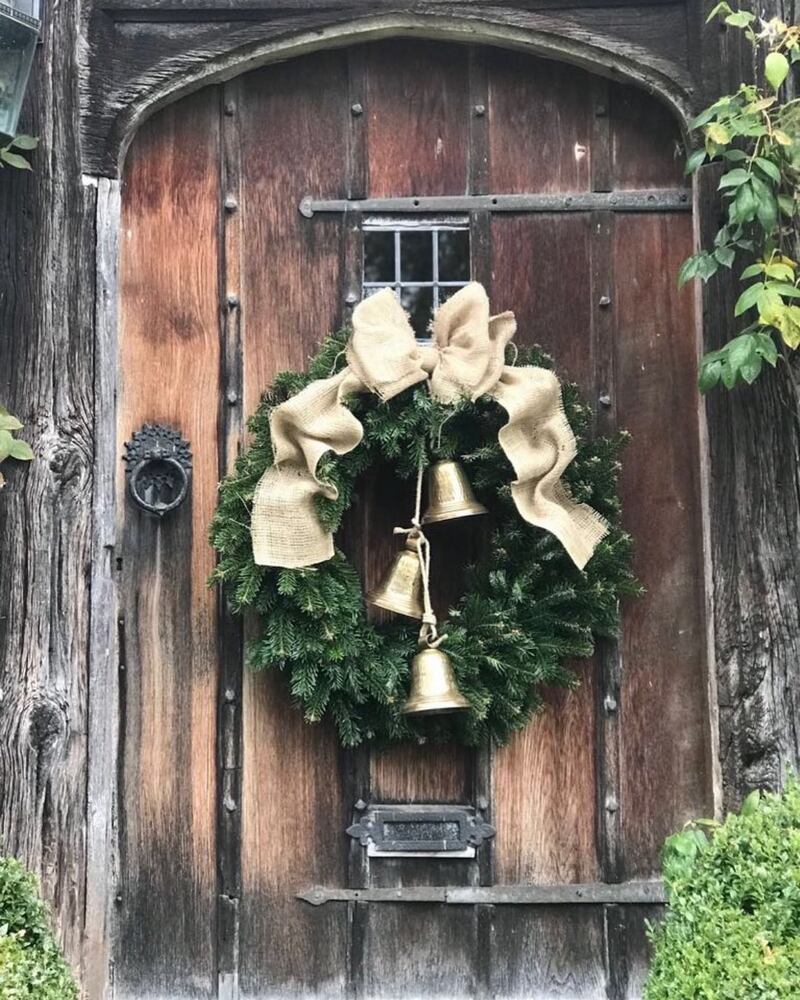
424 261
19 29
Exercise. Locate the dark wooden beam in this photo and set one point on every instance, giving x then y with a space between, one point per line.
47 281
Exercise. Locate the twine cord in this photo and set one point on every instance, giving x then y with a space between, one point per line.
428 633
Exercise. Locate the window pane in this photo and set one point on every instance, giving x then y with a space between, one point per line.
454 255
416 256
379 256
418 303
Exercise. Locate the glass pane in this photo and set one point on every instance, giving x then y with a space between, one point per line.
454 255
17 45
418 303
416 256
379 256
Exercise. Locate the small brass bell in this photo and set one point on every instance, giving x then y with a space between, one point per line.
401 589
449 494
433 685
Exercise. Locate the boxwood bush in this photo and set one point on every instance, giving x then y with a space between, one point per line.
732 930
31 964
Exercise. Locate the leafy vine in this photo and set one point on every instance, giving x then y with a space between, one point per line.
11 447
755 134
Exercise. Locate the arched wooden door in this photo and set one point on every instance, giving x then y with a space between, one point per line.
229 805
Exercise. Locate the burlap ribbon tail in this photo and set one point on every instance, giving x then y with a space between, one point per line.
467 358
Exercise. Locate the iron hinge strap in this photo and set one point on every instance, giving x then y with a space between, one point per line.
633 893
648 200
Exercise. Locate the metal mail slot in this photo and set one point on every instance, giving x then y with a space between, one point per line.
421 831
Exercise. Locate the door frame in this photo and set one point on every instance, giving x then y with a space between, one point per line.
595 54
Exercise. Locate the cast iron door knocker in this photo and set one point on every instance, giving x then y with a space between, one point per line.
159 469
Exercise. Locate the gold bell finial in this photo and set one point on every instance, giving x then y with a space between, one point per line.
449 494
433 685
401 589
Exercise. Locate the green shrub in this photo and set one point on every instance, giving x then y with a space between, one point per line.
732 930
31 964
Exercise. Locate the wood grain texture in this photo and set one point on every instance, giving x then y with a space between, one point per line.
548 953
47 277
539 125
153 55
418 951
170 364
647 149
544 793
293 817
666 769
754 438
541 270
416 99
103 692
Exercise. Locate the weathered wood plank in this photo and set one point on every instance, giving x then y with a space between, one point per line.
666 774
544 806
416 99
548 953
151 58
47 277
103 719
419 951
539 125
754 449
646 142
293 815
170 365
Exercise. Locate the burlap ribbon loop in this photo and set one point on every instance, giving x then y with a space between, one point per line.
467 358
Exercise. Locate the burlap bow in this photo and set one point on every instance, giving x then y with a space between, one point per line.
467 358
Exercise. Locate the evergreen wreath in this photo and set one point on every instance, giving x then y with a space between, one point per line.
526 609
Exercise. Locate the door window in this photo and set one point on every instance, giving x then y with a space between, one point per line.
424 260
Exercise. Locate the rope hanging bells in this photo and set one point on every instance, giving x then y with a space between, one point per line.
534 603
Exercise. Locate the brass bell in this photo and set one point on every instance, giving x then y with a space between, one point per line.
449 494
401 589
433 685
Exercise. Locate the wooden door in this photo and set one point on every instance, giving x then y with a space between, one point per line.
229 805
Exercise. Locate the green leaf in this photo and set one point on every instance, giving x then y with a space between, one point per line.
725 255
6 444
8 422
688 270
24 142
703 118
694 160
779 271
741 19
734 178
769 168
21 450
785 289
767 212
748 298
718 134
721 8
751 804
710 369
14 160
752 271
786 204
776 68
745 204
